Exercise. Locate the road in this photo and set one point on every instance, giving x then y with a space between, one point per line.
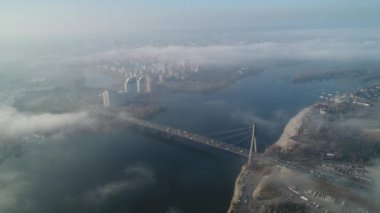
189 136
316 171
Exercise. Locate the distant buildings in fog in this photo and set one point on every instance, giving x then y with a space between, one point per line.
156 69
106 99
364 98
141 75
112 98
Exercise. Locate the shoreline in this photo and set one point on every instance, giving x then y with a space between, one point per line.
291 129
237 189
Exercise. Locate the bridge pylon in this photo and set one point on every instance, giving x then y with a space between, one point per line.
253 146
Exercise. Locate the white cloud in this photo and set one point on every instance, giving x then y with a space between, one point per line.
12 188
14 123
134 179
271 124
270 51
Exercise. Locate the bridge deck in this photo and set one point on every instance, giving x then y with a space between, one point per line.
343 180
188 135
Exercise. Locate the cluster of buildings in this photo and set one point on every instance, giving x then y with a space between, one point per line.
332 102
150 70
141 75
321 196
112 98
357 172
365 97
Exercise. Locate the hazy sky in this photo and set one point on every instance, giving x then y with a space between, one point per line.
321 32
71 18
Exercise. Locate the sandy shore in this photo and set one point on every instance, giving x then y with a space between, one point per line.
291 129
237 189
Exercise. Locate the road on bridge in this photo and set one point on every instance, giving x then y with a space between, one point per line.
188 135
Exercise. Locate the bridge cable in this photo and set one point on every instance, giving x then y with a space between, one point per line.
235 135
228 131
242 140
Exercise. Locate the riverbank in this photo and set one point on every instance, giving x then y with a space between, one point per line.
237 189
284 142
291 129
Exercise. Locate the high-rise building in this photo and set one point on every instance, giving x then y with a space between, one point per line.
126 85
106 99
138 81
161 78
148 83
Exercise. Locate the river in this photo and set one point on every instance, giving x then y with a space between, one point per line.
126 171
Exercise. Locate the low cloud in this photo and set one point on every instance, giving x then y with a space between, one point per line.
268 51
15 124
174 209
134 179
14 185
374 174
270 125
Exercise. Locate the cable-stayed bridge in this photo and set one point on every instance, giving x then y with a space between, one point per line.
243 133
